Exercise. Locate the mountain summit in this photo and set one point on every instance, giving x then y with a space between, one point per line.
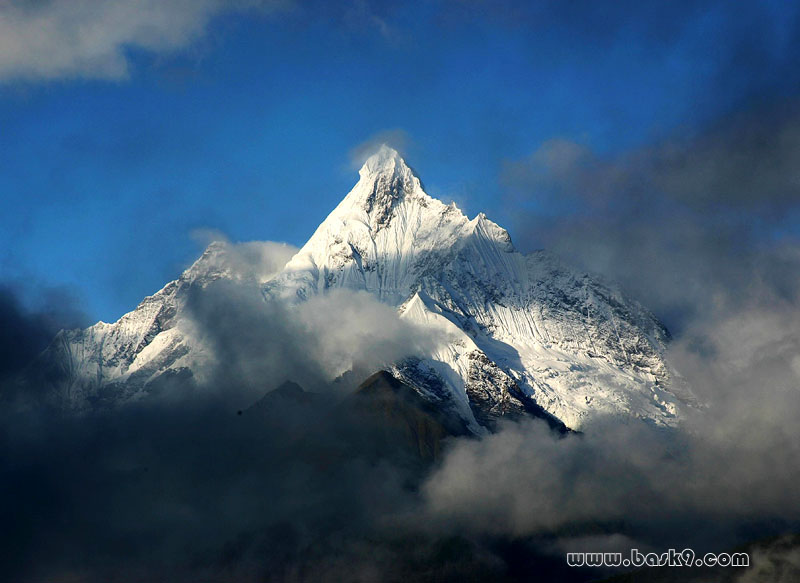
517 334
383 234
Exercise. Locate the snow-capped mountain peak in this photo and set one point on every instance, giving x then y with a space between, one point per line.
519 334
386 161
385 181
376 236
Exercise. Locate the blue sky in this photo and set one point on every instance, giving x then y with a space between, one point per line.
242 117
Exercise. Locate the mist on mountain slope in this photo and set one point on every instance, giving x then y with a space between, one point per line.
258 345
202 483
191 488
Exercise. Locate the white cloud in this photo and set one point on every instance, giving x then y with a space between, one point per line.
58 39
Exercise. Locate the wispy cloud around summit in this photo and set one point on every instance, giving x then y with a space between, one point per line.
395 138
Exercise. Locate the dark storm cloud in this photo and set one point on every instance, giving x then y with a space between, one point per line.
199 483
29 318
184 491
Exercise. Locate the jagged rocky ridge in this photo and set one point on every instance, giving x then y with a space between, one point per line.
521 334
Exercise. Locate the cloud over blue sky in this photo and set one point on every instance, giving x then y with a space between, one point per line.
64 39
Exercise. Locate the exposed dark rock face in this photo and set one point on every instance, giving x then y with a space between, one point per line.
401 419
